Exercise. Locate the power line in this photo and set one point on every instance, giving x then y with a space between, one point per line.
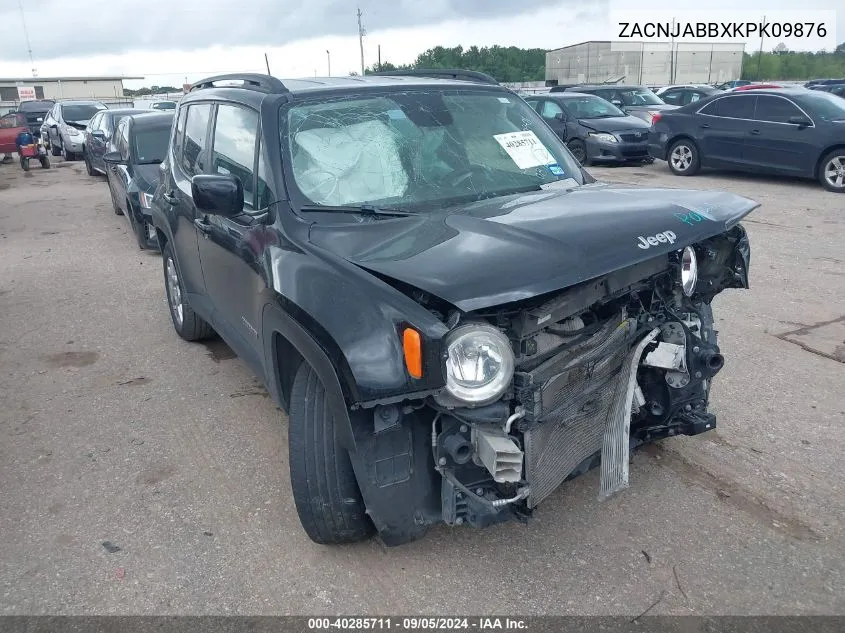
26 35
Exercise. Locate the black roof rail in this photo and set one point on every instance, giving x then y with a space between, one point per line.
440 73
251 81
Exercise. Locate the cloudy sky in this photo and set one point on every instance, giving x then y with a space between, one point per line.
169 41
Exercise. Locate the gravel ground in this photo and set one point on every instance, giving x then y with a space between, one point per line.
140 474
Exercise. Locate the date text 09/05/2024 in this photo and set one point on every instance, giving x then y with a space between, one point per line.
417 624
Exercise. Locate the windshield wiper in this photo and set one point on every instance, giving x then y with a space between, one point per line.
364 209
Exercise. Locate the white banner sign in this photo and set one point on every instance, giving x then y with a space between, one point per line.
26 93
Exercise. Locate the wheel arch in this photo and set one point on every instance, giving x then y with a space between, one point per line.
287 344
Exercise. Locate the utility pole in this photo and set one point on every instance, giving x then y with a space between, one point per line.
329 60
379 56
361 33
760 56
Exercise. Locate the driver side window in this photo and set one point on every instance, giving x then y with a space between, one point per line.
550 110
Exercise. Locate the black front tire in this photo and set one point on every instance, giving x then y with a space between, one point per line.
45 162
832 163
55 151
325 490
24 163
190 326
579 151
88 167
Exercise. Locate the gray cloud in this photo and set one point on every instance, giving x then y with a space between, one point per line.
61 28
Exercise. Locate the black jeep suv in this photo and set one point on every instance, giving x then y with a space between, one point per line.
455 316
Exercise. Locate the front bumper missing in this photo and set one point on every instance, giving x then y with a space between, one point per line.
615 450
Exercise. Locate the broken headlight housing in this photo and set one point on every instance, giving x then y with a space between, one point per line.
479 365
689 270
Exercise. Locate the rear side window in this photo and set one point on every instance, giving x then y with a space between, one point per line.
235 135
672 97
196 138
550 109
739 107
775 109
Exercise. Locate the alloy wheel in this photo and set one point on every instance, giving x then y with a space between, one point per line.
681 157
174 291
834 172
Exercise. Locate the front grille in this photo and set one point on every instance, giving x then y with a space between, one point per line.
567 400
634 137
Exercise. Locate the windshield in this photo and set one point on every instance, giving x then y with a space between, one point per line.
149 145
638 97
36 106
590 108
824 105
81 112
421 149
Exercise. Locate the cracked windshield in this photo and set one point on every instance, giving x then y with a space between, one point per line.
411 150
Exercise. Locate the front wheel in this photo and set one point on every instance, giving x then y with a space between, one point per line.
325 491
832 171
683 158
186 322
579 151
24 163
54 149
88 166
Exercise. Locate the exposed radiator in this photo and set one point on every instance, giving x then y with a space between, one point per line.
568 398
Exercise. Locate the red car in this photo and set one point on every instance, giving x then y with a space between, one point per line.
10 126
756 87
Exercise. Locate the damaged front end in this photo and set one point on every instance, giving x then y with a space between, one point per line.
543 390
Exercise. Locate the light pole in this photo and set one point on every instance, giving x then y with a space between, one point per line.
329 60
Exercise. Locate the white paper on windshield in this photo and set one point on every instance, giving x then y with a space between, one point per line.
525 149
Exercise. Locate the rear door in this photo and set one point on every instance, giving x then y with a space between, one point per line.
774 144
231 248
723 126
95 140
190 150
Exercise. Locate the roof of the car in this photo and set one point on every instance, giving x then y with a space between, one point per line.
122 111
771 91
305 86
570 95
594 86
80 102
152 119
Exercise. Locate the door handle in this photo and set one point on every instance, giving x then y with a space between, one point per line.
704 125
202 224
755 132
169 197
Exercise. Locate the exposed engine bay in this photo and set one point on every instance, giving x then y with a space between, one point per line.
598 370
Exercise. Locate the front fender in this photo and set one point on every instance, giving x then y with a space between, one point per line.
358 320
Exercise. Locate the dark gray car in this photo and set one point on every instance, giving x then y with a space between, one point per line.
638 101
97 137
594 130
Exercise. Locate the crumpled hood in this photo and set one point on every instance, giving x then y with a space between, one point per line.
516 247
615 124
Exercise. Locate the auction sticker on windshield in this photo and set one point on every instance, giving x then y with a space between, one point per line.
525 149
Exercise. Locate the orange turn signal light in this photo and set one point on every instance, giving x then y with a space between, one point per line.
412 345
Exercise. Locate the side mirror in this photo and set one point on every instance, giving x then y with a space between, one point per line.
113 158
800 121
218 195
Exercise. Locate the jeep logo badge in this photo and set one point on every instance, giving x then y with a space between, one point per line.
666 237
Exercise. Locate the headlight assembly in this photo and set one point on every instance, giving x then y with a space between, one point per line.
689 270
479 366
603 136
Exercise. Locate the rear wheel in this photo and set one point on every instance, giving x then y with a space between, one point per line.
45 162
24 163
832 171
186 322
683 158
325 490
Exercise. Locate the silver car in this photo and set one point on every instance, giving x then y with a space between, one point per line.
62 130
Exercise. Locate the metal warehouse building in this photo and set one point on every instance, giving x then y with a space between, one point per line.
63 87
646 63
